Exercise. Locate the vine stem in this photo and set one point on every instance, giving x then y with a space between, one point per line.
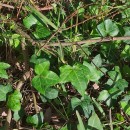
43 43
110 117
90 41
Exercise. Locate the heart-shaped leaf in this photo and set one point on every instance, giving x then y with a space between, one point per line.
84 103
4 90
35 120
94 123
14 101
42 82
77 75
108 27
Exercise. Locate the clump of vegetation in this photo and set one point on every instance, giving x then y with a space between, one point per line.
65 65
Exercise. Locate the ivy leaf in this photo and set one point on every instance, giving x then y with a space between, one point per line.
14 101
97 60
4 65
94 74
108 27
51 93
118 88
125 104
18 114
41 32
42 67
84 103
29 21
80 126
77 75
105 96
42 82
94 123
125 54
34 59
4 90
3 73
35 120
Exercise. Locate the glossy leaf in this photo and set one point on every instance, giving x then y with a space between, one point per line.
105 96
4 90
118 88
29 21
3 73
14 101
125 104
97 60
42 67
80 125
42 82
42 17
98 106
4 65
41 32
94 74
125 54
108 28
35 120
51 93
84 103
77 75
18 114
94 123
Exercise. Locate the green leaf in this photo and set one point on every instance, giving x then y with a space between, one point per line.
42 17
125 54
108 28
125 106
29 21
4 65
77 75
3 73
14 101
42 67
120 117
51 93
64 128
35 120
4 90
41 32
15 40
127 33
42 82
114 76
121 84
34 59
98 106
118 88
80 125
97 60
94 74
105 96
18 114
94 123
84 103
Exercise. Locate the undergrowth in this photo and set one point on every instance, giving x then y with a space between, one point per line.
65 65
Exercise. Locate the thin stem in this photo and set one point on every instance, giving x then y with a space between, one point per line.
63 109
110 118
